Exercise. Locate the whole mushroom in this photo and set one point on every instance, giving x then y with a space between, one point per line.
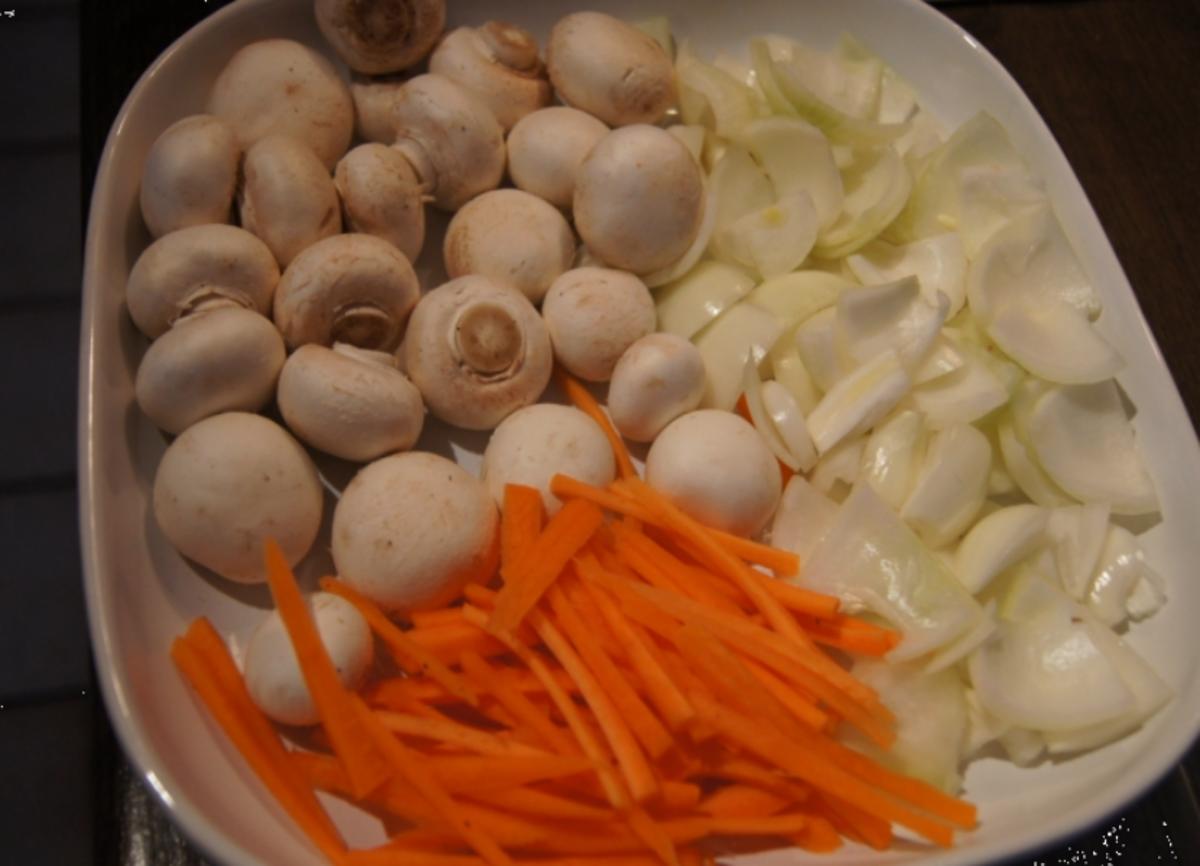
280 86
594 315
272 672
228 483
534 444
348 402
610 69
512 237
478 351
546 148
499 63
350 288
196 267
411 530
375 107
381 195
716 467
190 175
659 378
639 199
287 196
215 360
380 36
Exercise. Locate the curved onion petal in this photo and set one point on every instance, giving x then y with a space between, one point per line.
685 305
951 486
894 316
797 296
710 96
998 541
1124 585
893 456
774 240
790 372
752 391
744 331
1077 533
1054 341
876 184
816 341
939 264
803 517
788 421
839 468
858 400
797 158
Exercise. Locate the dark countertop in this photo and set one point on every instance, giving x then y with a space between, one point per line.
1114 80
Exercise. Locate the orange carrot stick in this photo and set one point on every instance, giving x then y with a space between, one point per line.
533 801
444 730
578 394
486 678
525 581
484 773
363 763
743 801
521 521
435 618
449 642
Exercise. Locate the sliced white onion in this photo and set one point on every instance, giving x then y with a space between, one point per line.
1121 574
964 395
970 640
687 304
876 184
839 468
816 341
951 486
798 296
871 319
1077 533
998 541
1024 468
789 423
942 359
939 264
989 197
774 240
752 391
803 517
893 455
790 372
744 331
1054 341
710 96
797 158
741 186
858 400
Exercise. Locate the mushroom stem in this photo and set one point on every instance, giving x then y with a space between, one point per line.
365 325
487 341
511 46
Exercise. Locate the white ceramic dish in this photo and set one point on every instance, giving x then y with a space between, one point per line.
141 594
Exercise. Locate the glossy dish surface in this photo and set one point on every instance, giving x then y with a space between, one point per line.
141 593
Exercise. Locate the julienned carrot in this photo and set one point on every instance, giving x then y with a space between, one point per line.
361 757
659 568
449 642
269 762
487 678
444 730
743 801
578 394
435 618
797 704
535 802
854 822
520 522
483 773
527 579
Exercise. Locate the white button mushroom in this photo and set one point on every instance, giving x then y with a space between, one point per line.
198 266
478 351
610 69
351 403
546 148
512 237
287 196
499 63
594 315
272 672
659 378
451 137
381 196
716 467
639 199
214 360
534 444
351 288
228 483
375 107
411 530
281 86
190 175
382 35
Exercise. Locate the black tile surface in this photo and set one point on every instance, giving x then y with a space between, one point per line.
41 184
39 68
46 799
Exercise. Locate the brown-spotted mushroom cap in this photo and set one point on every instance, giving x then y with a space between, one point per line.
478 351
411 530
499 63
380 36
215 360
227 484
190 175
610 69
546 148
349 402
512 237
280 86
196 267
594 315
287 196
351 288
381 195
639 199
451 137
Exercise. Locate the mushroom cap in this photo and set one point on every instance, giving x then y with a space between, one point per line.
716 467
639 199
478 351
594 315
350 288
287 196
217 360
659 378
512 237
272 672
375 107
499 63
546 148
281 86
534 444
349 402
228 483
610 69
411 530
381 36
381 195
190 175
197 266
451 137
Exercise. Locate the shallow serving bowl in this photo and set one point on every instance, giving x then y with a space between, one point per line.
141 593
